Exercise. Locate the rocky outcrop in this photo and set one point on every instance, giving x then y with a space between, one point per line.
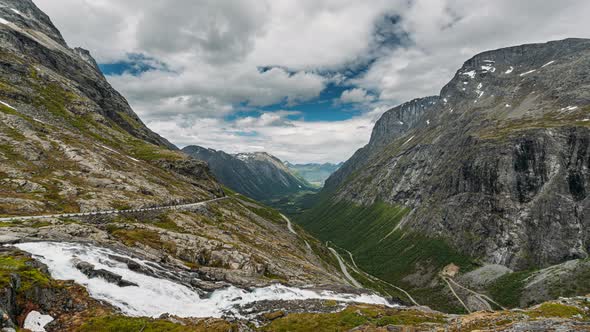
391 126
257 175
113 278
499 160
28 32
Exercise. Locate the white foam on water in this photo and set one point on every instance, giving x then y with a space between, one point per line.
154 297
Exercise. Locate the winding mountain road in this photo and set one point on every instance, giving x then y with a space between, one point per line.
344 269
112 212
372 277
289 225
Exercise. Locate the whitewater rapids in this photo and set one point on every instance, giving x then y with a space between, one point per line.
154 296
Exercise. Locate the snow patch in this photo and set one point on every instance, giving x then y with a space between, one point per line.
7 105
508 105
479 91
154 296
470 74
528 72
17 12
4 21
109 149
488 68
548 63
36 322
569 108
409 140
428 122
509 70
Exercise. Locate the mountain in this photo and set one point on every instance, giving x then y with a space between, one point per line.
315 174
70 144
258 175
492 175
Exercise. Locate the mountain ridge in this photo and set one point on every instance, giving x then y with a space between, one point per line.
499 159
258 175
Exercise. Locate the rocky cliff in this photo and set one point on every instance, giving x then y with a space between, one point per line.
392 125
497 167
257 175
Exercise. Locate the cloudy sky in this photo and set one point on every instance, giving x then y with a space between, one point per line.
302 79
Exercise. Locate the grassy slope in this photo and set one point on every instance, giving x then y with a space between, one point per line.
362 230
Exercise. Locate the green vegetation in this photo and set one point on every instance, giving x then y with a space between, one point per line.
350 318
260 209
294 204
548 120
576 283
132 237
507 290
150 152
368 232
131 324
15 263
162 220
165 222
557 310
30 224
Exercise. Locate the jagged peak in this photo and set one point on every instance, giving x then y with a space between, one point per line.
399 119
26 15
86 56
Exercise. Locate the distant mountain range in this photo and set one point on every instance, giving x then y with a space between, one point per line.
258 175
315 174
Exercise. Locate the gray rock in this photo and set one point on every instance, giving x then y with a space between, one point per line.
8 239
113 278
502 158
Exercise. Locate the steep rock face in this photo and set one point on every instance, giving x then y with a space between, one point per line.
392 125
500 166
258 175
27 31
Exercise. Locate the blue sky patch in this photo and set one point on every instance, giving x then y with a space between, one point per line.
136 64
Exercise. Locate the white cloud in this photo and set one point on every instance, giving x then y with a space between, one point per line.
355 95
213 51
292 140
446 33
